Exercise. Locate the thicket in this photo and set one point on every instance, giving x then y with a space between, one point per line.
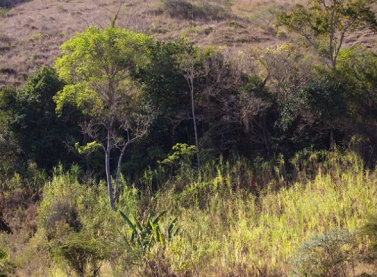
230 164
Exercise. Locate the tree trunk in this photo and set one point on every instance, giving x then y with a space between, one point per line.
194 122
116 193
108 172
108 181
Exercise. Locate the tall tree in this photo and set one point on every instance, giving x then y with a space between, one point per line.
96 65
325 24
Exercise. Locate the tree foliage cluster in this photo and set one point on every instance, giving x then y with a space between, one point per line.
135 98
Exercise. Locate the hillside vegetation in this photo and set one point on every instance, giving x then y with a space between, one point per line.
188 138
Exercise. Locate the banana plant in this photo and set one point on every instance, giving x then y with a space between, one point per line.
147 232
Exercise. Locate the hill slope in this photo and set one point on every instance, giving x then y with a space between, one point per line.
31 32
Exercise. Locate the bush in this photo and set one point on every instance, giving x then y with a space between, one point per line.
83 254
187 10
7 268
76 224
178 8
330 254
208 11
11 3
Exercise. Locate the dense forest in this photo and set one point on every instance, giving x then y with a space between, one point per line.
132 155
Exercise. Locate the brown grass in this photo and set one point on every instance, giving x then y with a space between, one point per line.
31 33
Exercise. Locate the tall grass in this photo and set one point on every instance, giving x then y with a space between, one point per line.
227 231
235 218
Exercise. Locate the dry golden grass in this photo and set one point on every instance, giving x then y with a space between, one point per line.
31 33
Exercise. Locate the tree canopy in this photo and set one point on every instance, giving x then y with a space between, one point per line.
96 66
325 23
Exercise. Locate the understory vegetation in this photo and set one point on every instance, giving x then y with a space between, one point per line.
207 223
134 156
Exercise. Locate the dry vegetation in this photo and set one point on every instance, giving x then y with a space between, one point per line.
31 33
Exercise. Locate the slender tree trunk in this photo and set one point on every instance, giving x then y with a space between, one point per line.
108 172
116 194
108 180
195 127
191 85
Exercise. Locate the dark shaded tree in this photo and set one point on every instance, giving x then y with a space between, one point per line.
33 123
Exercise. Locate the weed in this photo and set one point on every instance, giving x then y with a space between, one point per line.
60 8
147 232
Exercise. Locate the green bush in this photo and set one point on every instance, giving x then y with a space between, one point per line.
82 253
178 8
76 225
187 10
328 255
370 230
208 11
7 268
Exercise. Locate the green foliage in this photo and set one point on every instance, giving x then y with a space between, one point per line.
265 16
323 98
167 91
203 11
83 254
357 70
164 85
370 229
75 224
178 8
89 147
3 12
32 122
7 269
3 254
147 232
94 59
96 66
10 160
329 23
331 254
308 119
181 154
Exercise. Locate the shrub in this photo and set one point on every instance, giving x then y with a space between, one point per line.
208 11
7 268
330 254
83 254
370 229
11 3
187 10
80 228
178 8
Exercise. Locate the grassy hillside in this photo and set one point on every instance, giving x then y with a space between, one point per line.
31 32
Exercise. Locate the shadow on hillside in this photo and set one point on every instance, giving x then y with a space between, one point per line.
7 4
